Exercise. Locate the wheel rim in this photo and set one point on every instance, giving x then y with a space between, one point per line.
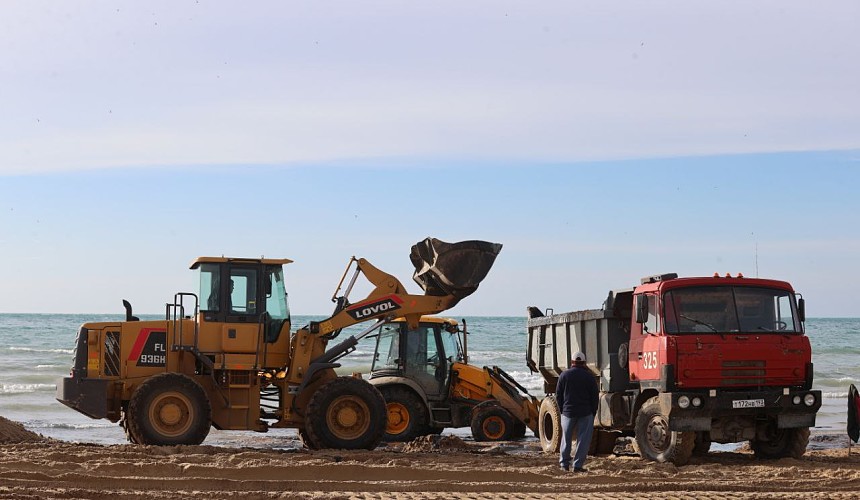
171 414
348 417
493 427
658 434
398 418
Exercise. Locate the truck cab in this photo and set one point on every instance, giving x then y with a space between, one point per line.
683 362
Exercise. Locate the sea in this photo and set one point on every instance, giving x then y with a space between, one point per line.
36 350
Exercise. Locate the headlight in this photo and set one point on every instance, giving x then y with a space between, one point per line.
697 401
809 399
684 402
796 400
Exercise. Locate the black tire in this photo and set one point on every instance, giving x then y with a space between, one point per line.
519 430
783 443
347 413
605 441
407 414
491 422
703 443
656 442
549 425
123 423
306 440
169 409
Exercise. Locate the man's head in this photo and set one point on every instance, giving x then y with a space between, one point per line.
578 359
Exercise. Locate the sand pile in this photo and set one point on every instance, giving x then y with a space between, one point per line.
435 442
14 433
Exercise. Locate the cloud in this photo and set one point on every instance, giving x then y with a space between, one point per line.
123 84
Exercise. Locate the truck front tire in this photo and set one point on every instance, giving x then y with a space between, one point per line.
783 443
656 442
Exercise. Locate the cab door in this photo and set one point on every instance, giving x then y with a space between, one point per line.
647 346
424 361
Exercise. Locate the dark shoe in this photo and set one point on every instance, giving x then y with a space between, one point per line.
565 469
580 469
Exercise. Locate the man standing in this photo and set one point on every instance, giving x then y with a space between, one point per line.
576 395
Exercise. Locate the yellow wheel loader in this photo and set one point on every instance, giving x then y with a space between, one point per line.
424 375
225 357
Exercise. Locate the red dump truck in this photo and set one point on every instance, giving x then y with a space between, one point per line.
683 362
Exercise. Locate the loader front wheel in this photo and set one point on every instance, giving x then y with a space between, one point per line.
169 409
549 425
492 423
407 416
346 413
655 441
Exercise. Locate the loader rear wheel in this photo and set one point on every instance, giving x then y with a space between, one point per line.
782 443
656 442
168 409
407 416
491 423
346 413
549 425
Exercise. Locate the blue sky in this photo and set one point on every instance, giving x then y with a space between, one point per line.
598 142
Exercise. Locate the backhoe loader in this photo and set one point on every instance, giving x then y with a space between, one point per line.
225 357
428 384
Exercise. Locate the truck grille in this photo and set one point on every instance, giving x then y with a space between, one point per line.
743 372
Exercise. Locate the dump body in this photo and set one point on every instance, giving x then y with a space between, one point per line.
724 357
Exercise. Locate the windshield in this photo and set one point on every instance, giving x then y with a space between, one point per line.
718 309
387 355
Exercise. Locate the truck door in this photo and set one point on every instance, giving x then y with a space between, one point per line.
647 348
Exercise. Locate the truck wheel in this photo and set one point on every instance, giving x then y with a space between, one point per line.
346 413
491 423
407 417
656 442
549 425
783 443
168 409
703 443
605 441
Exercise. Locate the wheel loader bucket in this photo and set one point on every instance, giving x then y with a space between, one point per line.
452 268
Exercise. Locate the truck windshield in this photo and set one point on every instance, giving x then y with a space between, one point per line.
720 309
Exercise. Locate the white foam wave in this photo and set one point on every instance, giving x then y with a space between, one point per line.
834 395
53 351
26 388
46 367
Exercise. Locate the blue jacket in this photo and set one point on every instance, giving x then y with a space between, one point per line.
576 392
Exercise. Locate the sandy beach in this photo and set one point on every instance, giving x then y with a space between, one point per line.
433 467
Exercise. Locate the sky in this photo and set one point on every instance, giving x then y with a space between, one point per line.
599 142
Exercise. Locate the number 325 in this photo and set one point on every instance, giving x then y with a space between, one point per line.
649 360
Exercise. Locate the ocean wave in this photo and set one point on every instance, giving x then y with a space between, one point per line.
31 349
43 424
26 388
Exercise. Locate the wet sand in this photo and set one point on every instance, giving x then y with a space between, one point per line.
434 467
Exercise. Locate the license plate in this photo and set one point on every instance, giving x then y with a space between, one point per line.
748 403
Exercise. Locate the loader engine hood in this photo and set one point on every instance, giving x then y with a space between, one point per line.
452 268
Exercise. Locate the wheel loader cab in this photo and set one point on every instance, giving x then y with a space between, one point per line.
424 354
241 302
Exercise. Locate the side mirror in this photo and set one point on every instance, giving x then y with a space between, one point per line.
641 309
801 310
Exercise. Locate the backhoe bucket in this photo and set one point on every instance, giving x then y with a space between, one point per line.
452 268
